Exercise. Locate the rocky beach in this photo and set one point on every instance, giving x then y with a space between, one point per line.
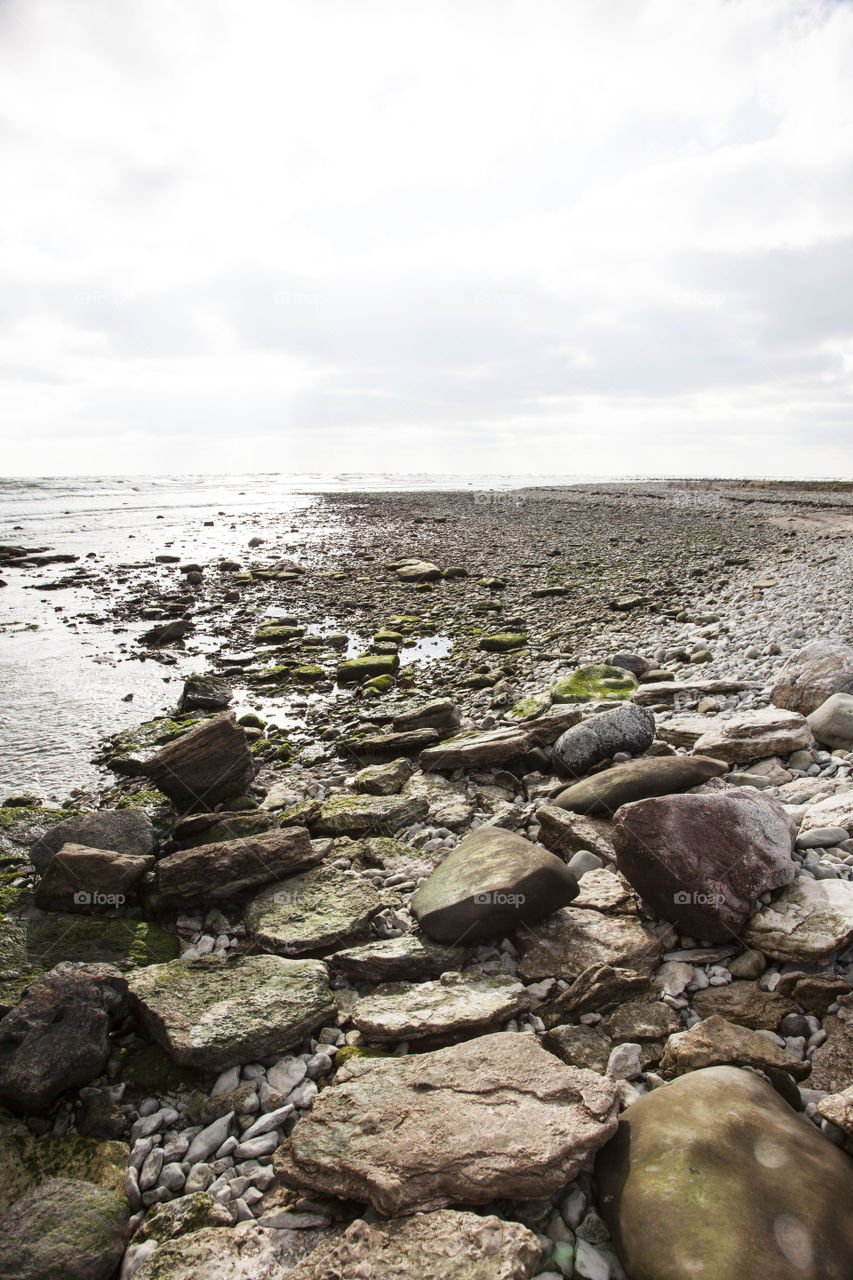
443 883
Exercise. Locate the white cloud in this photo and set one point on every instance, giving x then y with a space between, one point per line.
605 237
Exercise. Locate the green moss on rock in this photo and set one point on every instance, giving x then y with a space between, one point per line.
503 642
593 684
367 665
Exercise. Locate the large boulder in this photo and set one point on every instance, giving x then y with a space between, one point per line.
205 766
603 793
715 1177
78 878
63 1228
494 1117
492 882
125 831
205 693
754 735
455 1004
832 722
57 1038
215 1012
807 921
213 872
703 861
312 912
812 675
445 1243
599 737
572 940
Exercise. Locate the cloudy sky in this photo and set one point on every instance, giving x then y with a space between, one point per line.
562 236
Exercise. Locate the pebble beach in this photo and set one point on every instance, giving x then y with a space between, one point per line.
440 882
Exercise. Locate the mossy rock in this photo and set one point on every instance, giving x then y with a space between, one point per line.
145 800
278 635
594 684
358 1051
154 1072
380 684
26 1161
249 720
308 673
503 642
529 708
227 826
153 733
388 637
278 674
366 666
179 1217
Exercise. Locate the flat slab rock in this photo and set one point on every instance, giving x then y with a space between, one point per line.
807 921
574 939
812 675
445 1243
755 735
664 690
312 912
715 1177
496 1116
79 878
454 1004
714 1042
832 1062
367 815
564 832
497 746
220 870
245 1252
213 1013
407 958
205 766
127 831
833 811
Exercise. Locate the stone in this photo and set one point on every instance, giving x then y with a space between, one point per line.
715 1176
57 1037
702 861
812 675
384 779
441 713
205 766
604 890
26 1162
315 911
503 642
832 722
493 1117
565 833
125 831
595 990
367 666
367 815
822 837
715 1042
216 1011
579 1046
663 690
639 1021
807 921
455 1004
205 693
744 1003
417 570
838 1109
631 662
683 730
445 1243
831 811
594 684
409 958
180 1216
389 746
754 735
490 884
832 1062
219 871
477 748
572 939
814 992
605 792
63 1228
599 737
167 633
248 1251
83 879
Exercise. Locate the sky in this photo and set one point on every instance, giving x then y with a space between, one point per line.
574 237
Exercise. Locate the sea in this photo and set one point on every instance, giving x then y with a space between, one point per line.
65 681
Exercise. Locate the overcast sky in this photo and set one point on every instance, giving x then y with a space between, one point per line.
579 236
